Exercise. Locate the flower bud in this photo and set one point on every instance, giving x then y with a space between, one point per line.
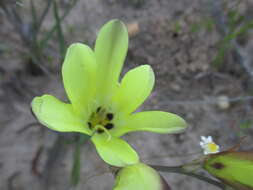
232 168
139 177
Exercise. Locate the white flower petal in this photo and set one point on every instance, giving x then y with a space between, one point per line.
209 139
203 138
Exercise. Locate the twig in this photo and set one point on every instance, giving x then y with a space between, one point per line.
38 63
35 161
53 29
15 20
90 175
43 15
55 154
29 125
181 170
61 41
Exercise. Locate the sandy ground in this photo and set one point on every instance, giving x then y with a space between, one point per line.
186 84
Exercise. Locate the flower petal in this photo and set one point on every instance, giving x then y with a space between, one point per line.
135 87
57 115
79 76
152 121
115 151
110 50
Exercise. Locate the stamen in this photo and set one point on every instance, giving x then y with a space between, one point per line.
109 135
90 125
100 131
98 109
109 126
100 128
109 116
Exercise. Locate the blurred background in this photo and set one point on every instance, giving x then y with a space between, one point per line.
201 52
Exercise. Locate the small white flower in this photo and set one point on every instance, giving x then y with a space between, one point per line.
208 145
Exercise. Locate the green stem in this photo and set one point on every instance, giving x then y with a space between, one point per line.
182 170
44 41
61 41
76 168
43 15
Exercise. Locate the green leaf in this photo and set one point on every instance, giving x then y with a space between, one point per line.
34 14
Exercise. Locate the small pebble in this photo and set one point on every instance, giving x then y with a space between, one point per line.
133 28
223 102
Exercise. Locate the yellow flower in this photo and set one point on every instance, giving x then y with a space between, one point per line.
99 105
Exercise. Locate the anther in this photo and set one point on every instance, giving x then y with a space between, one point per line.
109 116
98 109
100 131
109 126
90 125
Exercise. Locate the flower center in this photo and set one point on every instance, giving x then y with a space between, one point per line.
212 147
102 118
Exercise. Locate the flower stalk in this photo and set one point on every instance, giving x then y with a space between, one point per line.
181 170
